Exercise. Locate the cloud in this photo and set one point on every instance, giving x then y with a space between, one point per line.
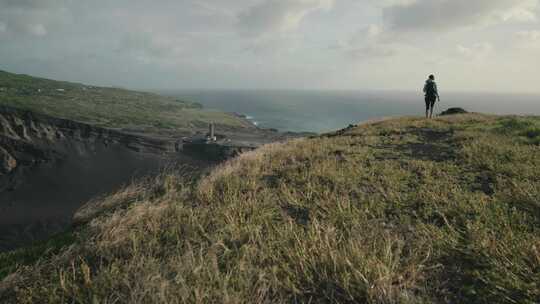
529 39
368 43
530 35
17 29
261 43
30 4
372 51
270 16
31 18
477 51
371 32
37 29
144 43
22 27
525 11
428 15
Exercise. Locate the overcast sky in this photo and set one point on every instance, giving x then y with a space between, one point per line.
488 45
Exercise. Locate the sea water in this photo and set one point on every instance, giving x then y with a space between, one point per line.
323 111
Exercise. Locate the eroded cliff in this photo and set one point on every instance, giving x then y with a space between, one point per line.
50 166
28 139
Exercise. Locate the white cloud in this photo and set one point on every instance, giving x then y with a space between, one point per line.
279 15
372 51
529 39
37 29
367 43
477 51
530 35
433 15
31 4
524 11
371 32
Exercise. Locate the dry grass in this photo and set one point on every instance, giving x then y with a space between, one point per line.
397 211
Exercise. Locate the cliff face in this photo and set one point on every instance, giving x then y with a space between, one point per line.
35 128
50 166
28 140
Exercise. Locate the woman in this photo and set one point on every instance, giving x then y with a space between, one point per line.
432 94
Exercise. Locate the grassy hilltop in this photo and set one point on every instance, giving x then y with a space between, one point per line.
108 107
397 211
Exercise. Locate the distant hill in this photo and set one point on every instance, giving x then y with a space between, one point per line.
109 107
405 210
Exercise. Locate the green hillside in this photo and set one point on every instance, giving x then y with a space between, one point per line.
108 107
398 211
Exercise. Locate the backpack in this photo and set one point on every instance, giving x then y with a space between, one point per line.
430 89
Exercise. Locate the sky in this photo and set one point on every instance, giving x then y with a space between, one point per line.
470 45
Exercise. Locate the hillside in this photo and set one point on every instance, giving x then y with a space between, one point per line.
397 211
109 107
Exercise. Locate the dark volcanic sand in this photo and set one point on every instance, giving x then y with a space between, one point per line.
45 202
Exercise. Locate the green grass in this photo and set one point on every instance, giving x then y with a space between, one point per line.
399 211
108 107
526 128
11 261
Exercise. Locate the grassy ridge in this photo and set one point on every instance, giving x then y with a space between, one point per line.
108 107
399 211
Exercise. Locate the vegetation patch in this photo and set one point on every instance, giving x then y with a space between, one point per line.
398 211
533 134
11 261
109 107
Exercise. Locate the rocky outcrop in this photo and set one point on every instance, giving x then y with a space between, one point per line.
453 111
7 162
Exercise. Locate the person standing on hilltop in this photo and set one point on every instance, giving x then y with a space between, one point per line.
432 94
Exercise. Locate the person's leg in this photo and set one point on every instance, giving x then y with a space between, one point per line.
427 107
431 109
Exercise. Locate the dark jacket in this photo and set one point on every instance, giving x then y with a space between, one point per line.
430 88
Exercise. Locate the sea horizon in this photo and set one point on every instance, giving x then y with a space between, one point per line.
319 111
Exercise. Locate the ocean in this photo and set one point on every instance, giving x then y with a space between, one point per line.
323 111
